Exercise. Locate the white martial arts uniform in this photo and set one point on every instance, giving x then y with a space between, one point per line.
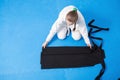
60 27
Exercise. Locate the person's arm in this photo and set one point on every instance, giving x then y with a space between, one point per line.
57 24
50 35
84 33
83 29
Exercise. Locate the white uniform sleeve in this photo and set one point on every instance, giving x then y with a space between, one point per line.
54 29
84 33
52 32
82 28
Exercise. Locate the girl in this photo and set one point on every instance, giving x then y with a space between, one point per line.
69 19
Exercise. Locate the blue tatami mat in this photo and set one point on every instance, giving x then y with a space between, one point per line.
25 24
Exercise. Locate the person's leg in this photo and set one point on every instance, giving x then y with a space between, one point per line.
76 35
62 33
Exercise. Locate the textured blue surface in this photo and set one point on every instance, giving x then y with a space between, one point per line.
24 25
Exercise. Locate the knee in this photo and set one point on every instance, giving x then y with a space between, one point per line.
76 36
61 36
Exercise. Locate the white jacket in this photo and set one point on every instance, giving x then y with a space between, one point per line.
60 22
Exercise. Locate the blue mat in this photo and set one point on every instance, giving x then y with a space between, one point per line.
25 24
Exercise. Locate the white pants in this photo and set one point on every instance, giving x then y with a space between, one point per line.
62 34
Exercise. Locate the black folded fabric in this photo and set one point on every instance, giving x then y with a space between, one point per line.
64 57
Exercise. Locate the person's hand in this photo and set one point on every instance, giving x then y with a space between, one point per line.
89 45
44 44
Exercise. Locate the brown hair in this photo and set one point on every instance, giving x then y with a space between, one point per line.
72 16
